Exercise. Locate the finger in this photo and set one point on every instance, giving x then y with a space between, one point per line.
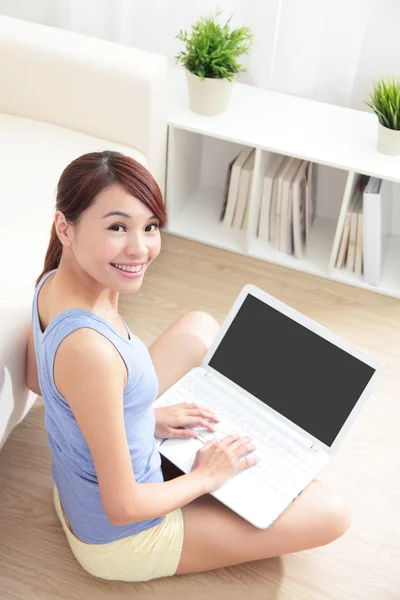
239 441
233 437
202 412
243 439
250 461
195 409
199 421
209 444
198 407
182 432
243 449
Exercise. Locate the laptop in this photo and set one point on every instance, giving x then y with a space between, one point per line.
287 381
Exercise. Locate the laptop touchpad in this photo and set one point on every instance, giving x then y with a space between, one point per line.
180 452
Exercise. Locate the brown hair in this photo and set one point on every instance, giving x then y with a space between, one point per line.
90 174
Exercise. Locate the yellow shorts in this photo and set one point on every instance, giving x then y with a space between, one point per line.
147 555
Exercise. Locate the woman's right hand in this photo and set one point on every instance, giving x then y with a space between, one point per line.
219 461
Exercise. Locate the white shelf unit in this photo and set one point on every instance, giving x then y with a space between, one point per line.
340 141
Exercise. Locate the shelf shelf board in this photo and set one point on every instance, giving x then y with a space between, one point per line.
325 133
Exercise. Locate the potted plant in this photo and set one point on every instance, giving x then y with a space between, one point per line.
385 102
210 60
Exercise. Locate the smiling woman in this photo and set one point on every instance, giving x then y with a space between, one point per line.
99 381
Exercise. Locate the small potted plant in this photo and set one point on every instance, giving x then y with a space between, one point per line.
211 64
385 102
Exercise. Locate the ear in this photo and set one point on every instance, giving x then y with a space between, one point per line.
64 230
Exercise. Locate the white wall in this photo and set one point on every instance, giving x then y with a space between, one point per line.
380 52
329 50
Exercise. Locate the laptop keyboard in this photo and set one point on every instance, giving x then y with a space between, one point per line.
280 467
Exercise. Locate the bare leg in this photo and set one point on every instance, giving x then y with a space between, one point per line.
217 537
182 347
214 535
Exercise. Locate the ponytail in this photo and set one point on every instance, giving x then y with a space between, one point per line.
53 254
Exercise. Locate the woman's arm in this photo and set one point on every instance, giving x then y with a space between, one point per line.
152 500
90 374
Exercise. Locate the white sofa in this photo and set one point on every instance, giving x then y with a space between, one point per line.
62 94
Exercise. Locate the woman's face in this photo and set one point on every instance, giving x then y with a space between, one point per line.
116 249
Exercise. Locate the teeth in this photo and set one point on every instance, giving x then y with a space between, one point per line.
129 269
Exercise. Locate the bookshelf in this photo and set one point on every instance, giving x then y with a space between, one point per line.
340 141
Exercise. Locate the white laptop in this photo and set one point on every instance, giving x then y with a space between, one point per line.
290 383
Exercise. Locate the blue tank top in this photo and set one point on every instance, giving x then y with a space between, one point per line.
72 465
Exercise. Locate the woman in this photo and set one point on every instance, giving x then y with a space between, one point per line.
98 382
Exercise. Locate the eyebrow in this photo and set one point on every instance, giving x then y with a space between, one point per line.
120 213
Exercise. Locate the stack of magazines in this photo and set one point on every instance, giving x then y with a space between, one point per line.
286 205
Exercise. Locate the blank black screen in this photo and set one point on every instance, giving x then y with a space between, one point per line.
293 370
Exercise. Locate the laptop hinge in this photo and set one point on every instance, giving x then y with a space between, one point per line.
315 447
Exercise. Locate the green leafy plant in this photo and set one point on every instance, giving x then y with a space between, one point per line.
385 102
212 49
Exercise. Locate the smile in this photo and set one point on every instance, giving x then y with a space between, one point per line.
129 269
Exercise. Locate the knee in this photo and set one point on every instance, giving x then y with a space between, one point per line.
202 325
337 516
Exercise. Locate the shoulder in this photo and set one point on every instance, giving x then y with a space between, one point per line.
86 356
88 344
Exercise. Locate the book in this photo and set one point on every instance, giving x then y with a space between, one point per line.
376 221
351 250
243 191
226 189
274 199
358 267
285 225
275 217
266 196
234 185
299 200
311 202
249 192
344 241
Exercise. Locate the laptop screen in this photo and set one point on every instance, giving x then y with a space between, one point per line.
302 376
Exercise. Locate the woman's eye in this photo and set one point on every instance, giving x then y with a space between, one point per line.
115 227
152 227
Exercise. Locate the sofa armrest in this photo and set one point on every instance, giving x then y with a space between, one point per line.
15 398
90 85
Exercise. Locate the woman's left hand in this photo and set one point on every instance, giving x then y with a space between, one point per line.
176 421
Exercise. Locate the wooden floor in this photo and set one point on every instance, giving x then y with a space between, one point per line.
35 560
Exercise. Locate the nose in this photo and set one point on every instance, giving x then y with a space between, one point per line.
137 248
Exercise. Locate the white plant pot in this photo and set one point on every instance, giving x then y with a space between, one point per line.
208 96
388 140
